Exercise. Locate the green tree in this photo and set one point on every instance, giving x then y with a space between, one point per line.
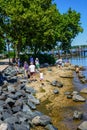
38 24
2 42
32 23
70 27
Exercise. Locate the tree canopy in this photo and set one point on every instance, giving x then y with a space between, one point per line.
37 24
70 27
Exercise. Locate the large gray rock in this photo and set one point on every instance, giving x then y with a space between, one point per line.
50 127
77 115
82 126
4 126
6 115
11 88
33 99
12 79
75 93
22 81
12 120
16 109
78 98
56 91
30 89
5 83
1 102
41 120
36 120
23 116
20 127
83 80
26 108
31 105
56 84
10 101
67 93
80 75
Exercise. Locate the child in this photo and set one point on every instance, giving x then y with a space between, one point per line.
41 77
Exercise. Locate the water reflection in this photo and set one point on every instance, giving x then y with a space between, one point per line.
79 106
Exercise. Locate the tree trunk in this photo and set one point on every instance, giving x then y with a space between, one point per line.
18 49
36 50
9 53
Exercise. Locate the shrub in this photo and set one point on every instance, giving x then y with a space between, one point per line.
43 58
46 58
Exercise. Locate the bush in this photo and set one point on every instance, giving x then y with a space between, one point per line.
43 58
24 58
46 58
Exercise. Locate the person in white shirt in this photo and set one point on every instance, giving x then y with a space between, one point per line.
32 69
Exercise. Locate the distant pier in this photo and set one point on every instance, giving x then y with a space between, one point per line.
79 51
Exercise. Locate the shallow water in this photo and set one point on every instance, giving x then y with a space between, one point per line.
62 117
81 61
77 85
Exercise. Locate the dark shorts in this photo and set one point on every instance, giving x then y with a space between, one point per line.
60 63
32 73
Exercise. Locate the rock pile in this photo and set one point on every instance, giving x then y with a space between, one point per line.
18 104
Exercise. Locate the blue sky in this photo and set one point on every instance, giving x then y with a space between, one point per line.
81 7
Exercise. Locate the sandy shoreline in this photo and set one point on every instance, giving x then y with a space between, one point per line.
53 104
51 74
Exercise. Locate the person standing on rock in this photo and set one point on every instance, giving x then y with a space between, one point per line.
32 70
77 69
37 64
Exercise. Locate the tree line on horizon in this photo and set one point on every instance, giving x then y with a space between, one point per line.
37 24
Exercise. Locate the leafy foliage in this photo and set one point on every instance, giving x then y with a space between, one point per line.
37 24
70 27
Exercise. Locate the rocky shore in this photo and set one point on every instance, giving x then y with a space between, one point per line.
36 105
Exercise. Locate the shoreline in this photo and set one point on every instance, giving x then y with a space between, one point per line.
55 105
52 74
52 104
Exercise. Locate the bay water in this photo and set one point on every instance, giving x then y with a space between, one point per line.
77 86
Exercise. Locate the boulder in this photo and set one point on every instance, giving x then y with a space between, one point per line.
83 80
78 98
77 115
50 127
41 120
82 126
55 91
